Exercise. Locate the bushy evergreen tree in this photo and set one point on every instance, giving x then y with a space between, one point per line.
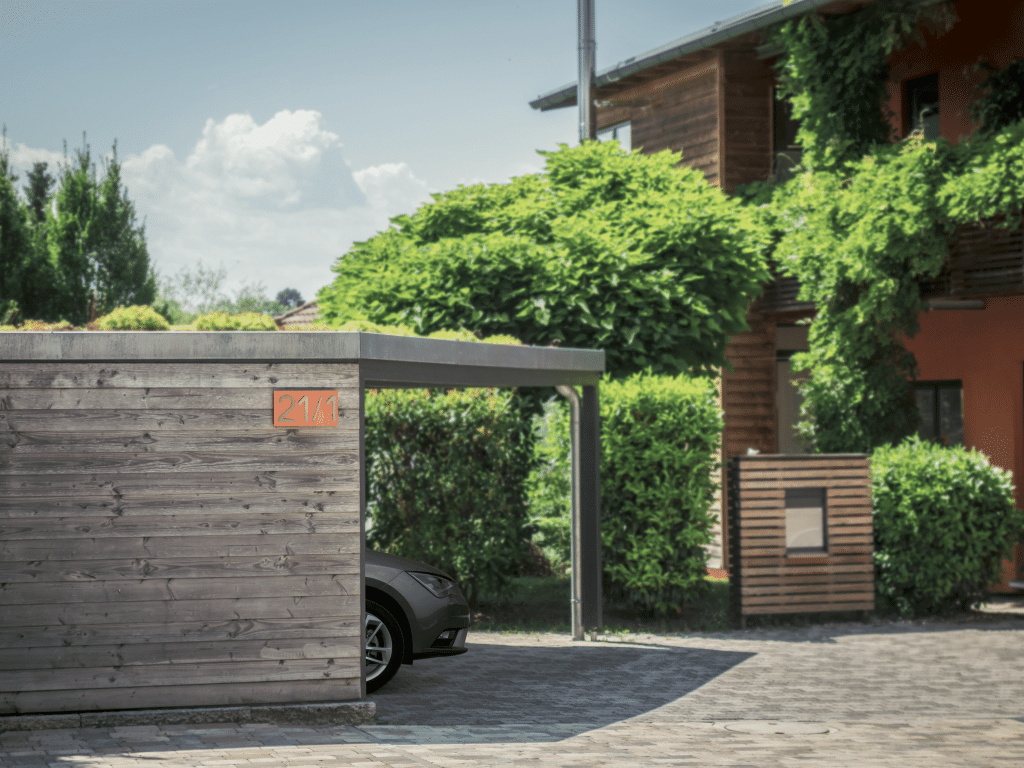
97 246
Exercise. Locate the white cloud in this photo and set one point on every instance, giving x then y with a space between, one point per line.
275 203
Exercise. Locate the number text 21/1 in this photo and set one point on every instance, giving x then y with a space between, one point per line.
305 408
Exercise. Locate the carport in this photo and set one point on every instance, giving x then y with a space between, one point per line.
175 533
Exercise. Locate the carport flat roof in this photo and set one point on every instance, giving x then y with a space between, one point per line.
384 360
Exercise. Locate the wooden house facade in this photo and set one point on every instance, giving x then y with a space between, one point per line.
711 95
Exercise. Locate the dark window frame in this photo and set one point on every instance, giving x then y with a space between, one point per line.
910 115
935 386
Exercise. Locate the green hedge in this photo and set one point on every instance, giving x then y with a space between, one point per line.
944 519
659 452
137 318
445 473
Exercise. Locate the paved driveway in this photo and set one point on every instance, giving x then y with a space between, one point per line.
934 694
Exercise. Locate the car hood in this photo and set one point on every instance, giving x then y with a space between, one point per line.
382 560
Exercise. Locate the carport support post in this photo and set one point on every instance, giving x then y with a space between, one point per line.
586 504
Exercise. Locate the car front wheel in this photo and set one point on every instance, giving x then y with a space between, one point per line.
385 646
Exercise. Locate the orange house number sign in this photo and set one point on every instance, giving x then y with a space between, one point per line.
305 408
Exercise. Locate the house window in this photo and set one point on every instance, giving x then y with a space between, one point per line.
620 132
922 100
941 407
806 532
786 151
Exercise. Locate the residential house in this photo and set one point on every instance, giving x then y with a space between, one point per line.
304 314
711 96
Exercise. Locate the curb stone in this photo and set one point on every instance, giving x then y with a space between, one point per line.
338 713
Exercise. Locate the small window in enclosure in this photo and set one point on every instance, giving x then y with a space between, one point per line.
806 532
620 132
941 407
922 100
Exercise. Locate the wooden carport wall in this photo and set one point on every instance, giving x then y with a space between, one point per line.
142 488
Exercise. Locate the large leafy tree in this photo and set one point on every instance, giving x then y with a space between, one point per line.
603 249
97 246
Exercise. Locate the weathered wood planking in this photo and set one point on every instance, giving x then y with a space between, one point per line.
150 484
128 461
199 695
173 611
146 590
766 577
142 375
170 546
344 437
143 635
211 567
161 544
170 674
172 504
177 653
168 398
184 525
207 421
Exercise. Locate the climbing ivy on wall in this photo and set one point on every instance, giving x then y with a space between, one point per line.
867 219
834 72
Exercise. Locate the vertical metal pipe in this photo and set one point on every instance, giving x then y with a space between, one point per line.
590 506
576 530
587 55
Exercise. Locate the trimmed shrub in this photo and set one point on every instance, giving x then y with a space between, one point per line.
445 473
659 450
246 321
944 519
42 325
136 318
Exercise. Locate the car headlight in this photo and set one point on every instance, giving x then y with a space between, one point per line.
439 586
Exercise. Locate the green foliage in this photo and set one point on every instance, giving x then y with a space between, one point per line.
858 243
549 485
1002 104
137 318
834 72
43 325
445 474
625 252
187 295
289 298
27 275
244 321
986 177
95 243
659 452
944 518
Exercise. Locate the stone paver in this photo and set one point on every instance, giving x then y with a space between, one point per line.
906 695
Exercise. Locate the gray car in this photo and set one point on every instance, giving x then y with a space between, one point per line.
413 611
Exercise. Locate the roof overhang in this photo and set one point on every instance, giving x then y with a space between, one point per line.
717 34
384 361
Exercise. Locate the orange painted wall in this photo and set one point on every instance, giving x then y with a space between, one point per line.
985 350
991 31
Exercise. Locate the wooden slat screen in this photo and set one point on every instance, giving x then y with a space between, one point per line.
765 578
985 259
161 544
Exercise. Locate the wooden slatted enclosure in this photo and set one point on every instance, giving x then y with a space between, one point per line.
163 545
800 533
986 258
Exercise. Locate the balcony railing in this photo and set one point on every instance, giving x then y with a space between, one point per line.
985 260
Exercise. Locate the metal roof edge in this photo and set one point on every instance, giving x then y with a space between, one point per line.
759 18
267 346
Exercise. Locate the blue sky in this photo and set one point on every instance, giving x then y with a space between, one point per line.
266 137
